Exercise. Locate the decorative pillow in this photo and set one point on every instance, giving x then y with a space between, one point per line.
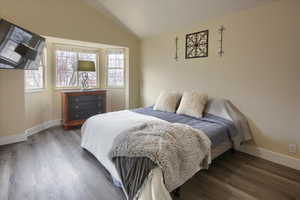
167 101
192 104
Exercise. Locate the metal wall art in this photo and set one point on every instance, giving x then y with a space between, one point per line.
196 45
221 31
176 49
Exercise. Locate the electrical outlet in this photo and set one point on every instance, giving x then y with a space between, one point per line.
292 148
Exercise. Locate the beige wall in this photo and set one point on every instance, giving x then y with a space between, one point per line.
70 19
12 108
38 108
259 72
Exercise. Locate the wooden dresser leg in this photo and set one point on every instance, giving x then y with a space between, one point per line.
233 151
66 127
176 192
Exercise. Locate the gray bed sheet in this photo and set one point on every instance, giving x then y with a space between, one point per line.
218 130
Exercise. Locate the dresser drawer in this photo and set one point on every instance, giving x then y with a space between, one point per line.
85 98
82 115
86 106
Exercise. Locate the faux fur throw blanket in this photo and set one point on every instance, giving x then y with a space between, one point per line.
178 149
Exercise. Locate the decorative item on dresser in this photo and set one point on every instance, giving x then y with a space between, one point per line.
85 67
77 106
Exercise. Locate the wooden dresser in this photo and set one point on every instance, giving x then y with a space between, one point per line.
77 106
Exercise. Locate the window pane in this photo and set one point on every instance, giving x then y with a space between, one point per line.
115 74
116 61
115 78
34 79
66 75
87 56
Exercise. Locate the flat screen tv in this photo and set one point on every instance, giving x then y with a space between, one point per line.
19 48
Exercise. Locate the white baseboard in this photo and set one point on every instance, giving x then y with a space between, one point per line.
41 127
272 156
12 139
31 131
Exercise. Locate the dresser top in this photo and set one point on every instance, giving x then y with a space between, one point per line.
83 91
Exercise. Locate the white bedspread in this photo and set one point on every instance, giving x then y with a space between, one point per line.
98 136
99 132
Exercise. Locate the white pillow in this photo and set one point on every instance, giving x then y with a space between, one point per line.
192 104
167 101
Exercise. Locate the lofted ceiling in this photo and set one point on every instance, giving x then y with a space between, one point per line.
146 18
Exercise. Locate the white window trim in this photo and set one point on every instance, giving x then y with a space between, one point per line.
36 90
124 72
75 49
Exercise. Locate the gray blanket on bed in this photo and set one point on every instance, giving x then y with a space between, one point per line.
222 121
178 149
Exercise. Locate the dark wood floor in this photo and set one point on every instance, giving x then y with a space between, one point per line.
52 165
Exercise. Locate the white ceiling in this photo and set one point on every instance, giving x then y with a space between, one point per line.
151 17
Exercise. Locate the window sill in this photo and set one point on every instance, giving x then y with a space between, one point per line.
60 89
36 90
115 88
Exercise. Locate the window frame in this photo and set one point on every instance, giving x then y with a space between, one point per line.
108 68
77 49
45 67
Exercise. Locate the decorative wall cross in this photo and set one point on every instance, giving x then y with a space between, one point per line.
221 30
176 49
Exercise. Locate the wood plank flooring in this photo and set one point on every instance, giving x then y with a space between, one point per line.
52 166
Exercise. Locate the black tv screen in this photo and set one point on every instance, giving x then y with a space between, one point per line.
19 48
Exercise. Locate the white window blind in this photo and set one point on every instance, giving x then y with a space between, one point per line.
35 79
115 68
67 58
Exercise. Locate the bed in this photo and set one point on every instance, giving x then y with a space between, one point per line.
224 125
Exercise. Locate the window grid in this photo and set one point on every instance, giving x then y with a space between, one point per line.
67 75
35 79
115 70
